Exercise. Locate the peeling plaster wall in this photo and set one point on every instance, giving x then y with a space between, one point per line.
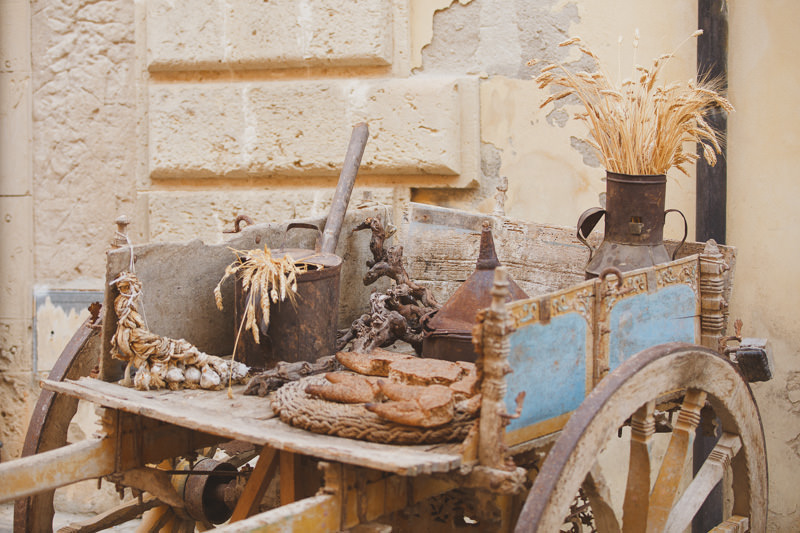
551 176
542 152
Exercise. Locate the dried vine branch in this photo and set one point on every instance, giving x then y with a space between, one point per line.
273 379
396 314
389 262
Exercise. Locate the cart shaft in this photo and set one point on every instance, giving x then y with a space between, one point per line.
27 476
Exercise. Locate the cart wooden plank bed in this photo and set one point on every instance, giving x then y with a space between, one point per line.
638 350
249 419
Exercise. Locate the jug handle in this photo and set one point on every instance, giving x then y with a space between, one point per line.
586 223
685 230
303 225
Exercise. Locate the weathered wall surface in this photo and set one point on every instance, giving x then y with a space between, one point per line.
185 114
763 188
83 132
552 174
17 393
68 147
551 177
246 99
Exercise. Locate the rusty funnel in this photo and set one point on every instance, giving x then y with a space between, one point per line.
448 332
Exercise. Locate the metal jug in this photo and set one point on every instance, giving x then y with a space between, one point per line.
634 225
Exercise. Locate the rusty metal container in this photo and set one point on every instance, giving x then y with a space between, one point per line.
448 332
308 331
634 225
304 333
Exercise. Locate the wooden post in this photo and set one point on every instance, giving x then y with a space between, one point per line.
712 61
713 325
493 365
637 490
665 489
713 307
257 484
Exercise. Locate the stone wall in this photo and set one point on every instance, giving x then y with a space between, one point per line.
248 107
185 114
17 391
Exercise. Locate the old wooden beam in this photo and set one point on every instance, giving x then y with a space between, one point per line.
665 489
257 484
712 62
318 513
30 475
712 187
118 515
155 481
708 477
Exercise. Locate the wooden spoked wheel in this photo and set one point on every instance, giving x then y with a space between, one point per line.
632 392
51 417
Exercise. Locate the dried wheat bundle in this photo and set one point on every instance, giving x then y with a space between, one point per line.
638 126
266 280
161 361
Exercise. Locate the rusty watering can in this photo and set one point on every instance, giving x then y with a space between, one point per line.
308 331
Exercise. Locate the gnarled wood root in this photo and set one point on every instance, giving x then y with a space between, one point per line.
284 372
395 315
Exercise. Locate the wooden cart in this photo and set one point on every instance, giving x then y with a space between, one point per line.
623 362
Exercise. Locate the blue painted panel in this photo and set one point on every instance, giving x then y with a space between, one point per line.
549 363
646 320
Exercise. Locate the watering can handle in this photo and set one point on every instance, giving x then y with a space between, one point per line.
302 225
586 223
685 230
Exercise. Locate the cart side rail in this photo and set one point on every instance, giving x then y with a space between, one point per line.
562 344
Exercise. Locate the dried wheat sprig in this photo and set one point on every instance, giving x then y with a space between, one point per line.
266 279
638 126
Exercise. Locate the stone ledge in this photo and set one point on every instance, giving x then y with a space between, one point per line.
418 126
254 34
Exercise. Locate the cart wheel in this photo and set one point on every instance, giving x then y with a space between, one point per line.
676 370
51 417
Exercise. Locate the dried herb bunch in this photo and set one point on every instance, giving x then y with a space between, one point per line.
262 276
638 126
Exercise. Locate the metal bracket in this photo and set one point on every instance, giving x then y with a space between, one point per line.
754 359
